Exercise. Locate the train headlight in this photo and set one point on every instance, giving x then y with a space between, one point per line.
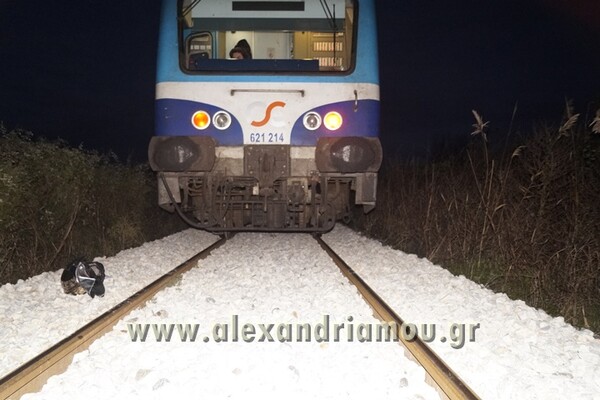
333 120
352 154
312 121
201 120
181 153
222 120
348 154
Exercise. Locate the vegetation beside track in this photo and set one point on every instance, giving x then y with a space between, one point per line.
524 220
58 203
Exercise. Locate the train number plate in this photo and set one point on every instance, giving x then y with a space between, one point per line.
268 138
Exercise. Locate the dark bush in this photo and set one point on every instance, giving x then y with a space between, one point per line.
58 203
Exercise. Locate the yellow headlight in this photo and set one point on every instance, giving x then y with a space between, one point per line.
333 120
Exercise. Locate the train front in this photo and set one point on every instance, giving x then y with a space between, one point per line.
267 113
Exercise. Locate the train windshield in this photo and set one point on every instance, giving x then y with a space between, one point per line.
267 36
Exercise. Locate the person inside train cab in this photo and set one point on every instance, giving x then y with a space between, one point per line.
241 51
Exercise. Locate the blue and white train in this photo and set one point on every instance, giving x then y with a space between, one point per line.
285 139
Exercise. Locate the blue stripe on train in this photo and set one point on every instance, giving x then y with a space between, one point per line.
174 118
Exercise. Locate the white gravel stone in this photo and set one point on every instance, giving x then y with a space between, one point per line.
281 279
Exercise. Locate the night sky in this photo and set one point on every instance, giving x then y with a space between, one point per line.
84 70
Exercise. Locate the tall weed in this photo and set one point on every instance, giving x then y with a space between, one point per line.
524 221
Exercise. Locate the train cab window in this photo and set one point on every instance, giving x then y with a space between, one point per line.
283 36
198 47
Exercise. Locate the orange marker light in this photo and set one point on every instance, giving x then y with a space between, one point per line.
200 120
333 120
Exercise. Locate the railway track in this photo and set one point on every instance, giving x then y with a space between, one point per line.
439 375
31 376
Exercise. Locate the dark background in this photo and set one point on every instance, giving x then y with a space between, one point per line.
84 70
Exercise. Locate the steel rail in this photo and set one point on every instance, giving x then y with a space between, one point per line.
31 376
447 383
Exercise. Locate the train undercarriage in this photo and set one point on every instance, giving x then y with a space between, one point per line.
218 203
268 188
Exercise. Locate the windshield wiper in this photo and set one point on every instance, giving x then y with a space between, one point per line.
332 22
190 7
329 15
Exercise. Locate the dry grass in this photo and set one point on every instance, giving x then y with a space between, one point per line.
525 222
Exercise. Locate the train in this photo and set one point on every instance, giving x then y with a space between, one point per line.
266 113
